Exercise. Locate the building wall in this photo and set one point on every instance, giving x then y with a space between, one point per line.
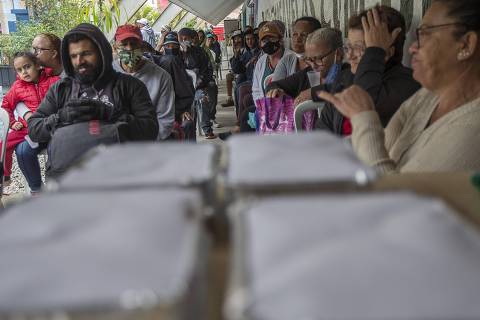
11 11
336 12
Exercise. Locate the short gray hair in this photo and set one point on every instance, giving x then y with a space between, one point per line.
330 35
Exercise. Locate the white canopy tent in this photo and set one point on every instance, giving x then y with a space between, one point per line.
212 11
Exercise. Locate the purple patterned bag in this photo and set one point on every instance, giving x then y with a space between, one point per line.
308 121
275 115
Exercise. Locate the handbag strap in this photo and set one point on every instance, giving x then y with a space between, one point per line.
277 116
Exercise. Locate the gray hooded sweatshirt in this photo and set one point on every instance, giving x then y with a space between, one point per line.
160 87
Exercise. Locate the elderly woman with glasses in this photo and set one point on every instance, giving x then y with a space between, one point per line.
376 66
438 128
323 55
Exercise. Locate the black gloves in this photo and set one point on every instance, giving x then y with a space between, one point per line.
81 110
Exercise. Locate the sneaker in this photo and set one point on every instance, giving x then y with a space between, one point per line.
228 103
216 124
210 136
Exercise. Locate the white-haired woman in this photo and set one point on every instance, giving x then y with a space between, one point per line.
324 54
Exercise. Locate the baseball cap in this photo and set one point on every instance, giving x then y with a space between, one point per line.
128 31
171 37
210 35
270 29
237 33
143 21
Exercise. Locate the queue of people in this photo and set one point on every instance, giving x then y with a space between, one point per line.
80 91
398 119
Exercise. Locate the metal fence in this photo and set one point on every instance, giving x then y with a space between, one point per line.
7 75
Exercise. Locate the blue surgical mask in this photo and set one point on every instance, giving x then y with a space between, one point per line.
333 72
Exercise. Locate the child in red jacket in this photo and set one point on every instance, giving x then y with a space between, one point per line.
30 88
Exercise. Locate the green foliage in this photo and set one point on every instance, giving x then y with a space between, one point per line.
6 50
148 12
192 23
105 14
178 18
55 16
58 17
22 39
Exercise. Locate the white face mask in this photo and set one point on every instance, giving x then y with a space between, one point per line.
185 46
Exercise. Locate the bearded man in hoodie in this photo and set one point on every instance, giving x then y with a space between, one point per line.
93 105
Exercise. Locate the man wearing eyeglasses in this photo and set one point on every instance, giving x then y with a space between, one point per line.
93 105
46 47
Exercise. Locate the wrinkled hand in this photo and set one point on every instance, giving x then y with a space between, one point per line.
275 93
305 95
17 125
376 31
350 102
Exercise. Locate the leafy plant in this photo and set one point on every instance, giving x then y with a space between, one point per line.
192 23
148 12
105 14
175 21
58 17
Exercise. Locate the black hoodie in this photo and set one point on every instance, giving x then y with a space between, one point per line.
129 96
105 49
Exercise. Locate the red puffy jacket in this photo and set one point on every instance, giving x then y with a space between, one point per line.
29 93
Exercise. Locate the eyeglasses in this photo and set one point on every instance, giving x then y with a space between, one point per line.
422 31
36 50
357 50
318 59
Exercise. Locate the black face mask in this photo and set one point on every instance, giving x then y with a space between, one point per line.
172 52
271 47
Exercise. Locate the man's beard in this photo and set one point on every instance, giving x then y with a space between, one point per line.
88 77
